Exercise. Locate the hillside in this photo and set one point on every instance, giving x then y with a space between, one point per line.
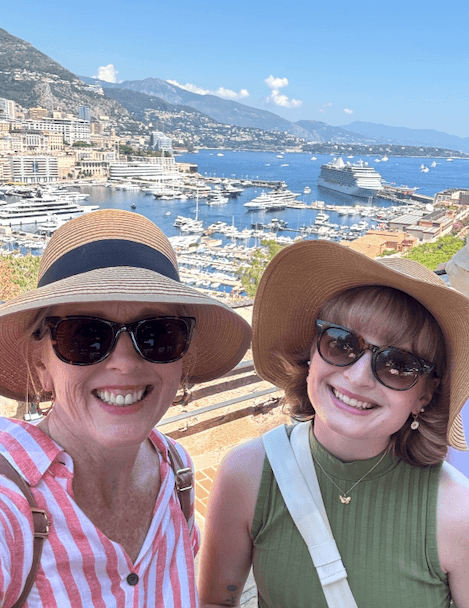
224 111
31 79
322 132
189 127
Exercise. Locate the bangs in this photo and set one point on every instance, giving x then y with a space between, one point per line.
390 316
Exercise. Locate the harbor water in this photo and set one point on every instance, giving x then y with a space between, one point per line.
296 170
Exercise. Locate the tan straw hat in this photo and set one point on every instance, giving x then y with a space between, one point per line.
303 276
112 255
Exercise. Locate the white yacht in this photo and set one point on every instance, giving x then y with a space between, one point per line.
260 202
37 210
356 179
217 200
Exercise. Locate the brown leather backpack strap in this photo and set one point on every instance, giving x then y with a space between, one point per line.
41 526
184 479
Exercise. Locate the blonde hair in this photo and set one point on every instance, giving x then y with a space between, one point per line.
408 322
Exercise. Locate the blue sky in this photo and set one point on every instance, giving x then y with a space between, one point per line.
399 63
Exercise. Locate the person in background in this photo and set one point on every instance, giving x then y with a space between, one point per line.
374 354
108 336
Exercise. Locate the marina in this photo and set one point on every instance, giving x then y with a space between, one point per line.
209 220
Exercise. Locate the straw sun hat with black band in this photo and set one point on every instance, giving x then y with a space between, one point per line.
303 276
112 255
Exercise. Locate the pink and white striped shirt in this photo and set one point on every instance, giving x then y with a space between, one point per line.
80 566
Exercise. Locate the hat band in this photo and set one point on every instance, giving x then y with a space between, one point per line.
106 254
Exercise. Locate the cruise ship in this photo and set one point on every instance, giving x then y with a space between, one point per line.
357 179
37 210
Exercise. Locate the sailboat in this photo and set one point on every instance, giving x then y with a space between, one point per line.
194 226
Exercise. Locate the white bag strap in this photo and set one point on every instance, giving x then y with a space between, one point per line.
308 515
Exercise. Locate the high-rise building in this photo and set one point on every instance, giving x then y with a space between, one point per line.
7 109
84 113
160 141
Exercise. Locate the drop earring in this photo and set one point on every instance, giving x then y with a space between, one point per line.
34 412
415 424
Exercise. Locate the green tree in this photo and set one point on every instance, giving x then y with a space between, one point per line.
432 254
251 275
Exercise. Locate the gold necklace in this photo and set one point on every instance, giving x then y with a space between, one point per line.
344 498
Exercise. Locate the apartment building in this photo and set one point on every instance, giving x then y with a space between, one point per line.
7 109
84 113
160 141
34 169
71 129
38 113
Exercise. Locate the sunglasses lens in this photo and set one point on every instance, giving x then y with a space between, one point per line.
396 369
82 341
162 340
339 346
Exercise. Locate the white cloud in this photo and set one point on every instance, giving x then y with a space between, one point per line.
107 73
275 84
220 92
347 111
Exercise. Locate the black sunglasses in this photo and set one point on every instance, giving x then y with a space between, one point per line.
393 367
86 340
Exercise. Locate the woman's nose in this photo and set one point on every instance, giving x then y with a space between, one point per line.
360 372
124 354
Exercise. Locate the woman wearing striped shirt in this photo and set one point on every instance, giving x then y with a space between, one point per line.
107 336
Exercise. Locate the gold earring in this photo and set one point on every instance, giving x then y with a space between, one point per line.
33 413
415 424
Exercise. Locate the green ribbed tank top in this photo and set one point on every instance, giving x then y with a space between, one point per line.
386 536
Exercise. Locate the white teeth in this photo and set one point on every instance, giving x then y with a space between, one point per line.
360 405
120 399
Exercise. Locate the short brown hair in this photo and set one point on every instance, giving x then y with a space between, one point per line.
409 321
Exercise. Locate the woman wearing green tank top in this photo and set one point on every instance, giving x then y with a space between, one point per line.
375 354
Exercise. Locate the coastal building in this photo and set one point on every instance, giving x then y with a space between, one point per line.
72 130
34 169
7 109
38 113
26 142
84 113
160 141
424 226
452 196
152 168
94 163
5 169
375 242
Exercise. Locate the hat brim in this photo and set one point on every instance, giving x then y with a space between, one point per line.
219 342
303 276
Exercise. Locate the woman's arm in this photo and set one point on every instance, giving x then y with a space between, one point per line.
453 532
227 545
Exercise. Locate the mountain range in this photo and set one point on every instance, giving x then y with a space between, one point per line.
31 78
235 113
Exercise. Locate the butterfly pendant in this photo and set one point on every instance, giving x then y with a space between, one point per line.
345 499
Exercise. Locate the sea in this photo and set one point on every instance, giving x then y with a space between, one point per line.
296 170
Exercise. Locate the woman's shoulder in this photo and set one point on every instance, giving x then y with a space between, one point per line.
239 473
453 486
452 516
163 443
245 457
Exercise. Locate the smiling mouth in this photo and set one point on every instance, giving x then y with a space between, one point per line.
359 405
122 399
